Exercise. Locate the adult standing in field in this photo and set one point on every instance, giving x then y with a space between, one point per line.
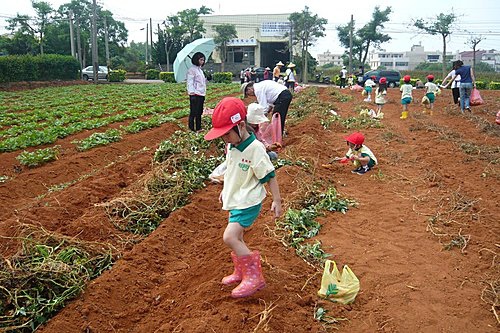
277 71
197 88
275 97
290 77
467 82
455 85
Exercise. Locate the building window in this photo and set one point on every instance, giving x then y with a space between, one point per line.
401 64
386 64
241 54
433 57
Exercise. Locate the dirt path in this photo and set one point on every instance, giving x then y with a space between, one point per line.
169 282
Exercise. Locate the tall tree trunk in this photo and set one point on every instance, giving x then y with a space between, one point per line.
444 56
304 65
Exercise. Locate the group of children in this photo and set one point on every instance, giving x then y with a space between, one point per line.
248 168
431 90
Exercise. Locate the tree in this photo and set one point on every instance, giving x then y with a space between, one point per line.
442 25
369 35
472 42
306 29
38 25
173 36
190 19
225 32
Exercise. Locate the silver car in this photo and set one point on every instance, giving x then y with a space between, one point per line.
88 73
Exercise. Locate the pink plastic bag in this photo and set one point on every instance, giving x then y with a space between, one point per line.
475 98
272 132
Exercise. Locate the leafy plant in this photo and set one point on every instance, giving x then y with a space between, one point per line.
39 156
98 139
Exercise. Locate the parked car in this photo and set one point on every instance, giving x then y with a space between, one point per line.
393 77
88 73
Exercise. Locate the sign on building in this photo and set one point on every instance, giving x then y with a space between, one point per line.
274 29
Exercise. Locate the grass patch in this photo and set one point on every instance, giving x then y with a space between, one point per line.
182 165
49 270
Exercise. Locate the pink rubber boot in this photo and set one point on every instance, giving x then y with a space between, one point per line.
253 280
237 275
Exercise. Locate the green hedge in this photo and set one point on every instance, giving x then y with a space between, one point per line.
152 74
117 75
167 77
38 68
493 85
222 77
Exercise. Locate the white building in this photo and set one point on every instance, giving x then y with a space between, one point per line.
492 58
406 60
330 58
261 40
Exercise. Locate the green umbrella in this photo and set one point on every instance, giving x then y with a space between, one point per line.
183 60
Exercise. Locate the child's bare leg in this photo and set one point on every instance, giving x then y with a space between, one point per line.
233 237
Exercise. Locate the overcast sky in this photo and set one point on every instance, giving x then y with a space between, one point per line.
476 17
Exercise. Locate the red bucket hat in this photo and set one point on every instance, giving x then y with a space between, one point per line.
356 138
406 78
382 80
430 77
227 114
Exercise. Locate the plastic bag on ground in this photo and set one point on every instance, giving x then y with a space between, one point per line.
338 287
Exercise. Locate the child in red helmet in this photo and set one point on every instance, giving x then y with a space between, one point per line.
248 169
431 90
362 157
406 95
380 94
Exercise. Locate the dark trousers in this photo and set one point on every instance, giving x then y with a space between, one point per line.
195 112
456 94
281 106
342 82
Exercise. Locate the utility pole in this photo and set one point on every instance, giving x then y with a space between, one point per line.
72 34
291 42
151 39
106 42
79 43
95 59
147 43
350 44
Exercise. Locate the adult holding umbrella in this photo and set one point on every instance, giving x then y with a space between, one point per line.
197 88
188 67
271 95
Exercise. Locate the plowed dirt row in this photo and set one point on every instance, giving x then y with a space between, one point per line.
169 282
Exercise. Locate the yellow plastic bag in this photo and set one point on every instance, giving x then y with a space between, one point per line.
341 288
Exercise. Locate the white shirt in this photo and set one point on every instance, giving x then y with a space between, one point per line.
456 82
343 73
196 81
242 187
290 75
267 92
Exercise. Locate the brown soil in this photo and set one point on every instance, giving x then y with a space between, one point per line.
170 281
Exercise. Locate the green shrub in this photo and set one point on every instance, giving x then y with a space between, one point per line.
494 85
481 85
152 74
167 77
38 68
117 75
39 156
222 77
